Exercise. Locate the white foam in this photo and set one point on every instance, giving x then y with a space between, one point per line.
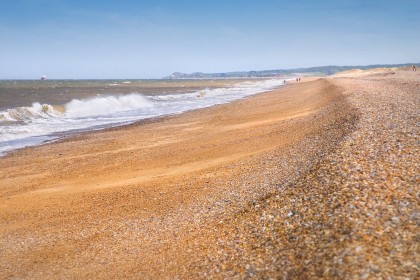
25 114
105 105
25 126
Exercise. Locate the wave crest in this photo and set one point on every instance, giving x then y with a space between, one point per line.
76 108
105 105
25 114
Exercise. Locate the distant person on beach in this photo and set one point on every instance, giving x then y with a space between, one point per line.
414 68
284 81
297 80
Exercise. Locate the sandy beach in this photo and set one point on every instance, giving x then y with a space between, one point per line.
318 179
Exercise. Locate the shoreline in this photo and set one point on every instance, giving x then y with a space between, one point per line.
239 186
208 102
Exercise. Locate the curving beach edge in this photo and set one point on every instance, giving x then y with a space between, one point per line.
318 179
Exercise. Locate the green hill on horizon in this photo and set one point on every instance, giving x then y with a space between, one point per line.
320 71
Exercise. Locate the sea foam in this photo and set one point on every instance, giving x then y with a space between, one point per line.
25 114
32 125
105 105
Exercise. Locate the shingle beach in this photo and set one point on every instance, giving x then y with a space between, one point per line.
319 179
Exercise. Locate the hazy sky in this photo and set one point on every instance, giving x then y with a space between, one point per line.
152 39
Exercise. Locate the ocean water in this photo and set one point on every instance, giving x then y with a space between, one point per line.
34 112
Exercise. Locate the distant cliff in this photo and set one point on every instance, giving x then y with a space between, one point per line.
321 71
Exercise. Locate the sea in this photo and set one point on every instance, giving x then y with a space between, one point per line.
35 112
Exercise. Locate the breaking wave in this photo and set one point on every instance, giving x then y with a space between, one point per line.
25 126
26 114
105 105
97 106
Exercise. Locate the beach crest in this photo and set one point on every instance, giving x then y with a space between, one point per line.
313 180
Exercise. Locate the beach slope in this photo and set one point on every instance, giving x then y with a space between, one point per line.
317 179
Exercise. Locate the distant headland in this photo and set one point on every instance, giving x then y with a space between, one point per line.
311 71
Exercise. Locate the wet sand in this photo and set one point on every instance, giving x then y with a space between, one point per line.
244 189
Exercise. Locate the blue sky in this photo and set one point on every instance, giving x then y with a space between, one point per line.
152 39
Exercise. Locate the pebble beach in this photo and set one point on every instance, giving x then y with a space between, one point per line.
319 179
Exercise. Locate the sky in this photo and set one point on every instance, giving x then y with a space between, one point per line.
100 39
